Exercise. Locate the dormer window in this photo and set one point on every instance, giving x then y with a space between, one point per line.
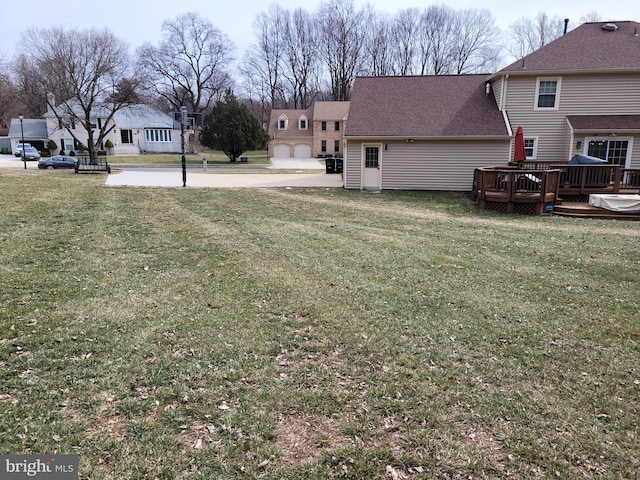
283 122
547 94
302 122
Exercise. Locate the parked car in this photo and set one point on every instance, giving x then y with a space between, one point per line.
58 161
18 151
31 153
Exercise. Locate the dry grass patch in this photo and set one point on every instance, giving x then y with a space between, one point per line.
305 438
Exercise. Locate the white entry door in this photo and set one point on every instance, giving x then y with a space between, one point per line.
371 172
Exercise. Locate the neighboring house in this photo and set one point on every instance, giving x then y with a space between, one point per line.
35 133
422 133
329 121
578 94
291 133
313 132
137 129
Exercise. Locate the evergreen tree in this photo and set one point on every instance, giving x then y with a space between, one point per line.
231 128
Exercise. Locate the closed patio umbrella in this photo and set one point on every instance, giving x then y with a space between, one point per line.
519 155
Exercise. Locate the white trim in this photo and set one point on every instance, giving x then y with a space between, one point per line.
629 140
556 106
286 122
535 147
303 118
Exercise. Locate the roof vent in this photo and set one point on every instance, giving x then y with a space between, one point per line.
610 27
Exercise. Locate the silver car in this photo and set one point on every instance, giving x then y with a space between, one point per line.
31 153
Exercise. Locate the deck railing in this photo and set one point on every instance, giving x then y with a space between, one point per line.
516 190
583 180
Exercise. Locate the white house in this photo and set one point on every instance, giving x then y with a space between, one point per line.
137 129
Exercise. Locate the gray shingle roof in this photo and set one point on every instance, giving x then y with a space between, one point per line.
588 47
33 128
423 106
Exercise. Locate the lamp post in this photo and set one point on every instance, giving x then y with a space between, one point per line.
183 120
24 157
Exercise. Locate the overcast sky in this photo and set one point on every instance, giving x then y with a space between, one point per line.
139 21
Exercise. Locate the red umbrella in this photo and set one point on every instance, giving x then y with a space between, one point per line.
519 155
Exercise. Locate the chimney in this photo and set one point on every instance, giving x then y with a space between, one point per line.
566 24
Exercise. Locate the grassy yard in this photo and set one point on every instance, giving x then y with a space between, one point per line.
214 157
313 334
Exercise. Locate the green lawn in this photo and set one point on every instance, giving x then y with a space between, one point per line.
257 158
313 334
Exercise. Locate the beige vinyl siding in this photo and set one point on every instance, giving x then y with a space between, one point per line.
497 91
352 167
603 94
446 165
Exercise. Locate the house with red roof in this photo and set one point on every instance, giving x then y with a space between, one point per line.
577 94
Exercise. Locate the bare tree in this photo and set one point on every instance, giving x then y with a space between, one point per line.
342 30
301 60
590 17
262 65
436 36
528 35
378 57
190 66
406 26
80 71
475 48
9 100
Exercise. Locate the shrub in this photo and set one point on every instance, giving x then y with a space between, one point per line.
52 145
108 144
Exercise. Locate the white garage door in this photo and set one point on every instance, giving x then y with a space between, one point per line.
302 151
281 151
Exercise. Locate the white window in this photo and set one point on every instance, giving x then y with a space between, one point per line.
547 93
302 123
159 135
531 147
283 122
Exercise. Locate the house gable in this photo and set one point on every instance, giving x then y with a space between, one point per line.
424 107
582 86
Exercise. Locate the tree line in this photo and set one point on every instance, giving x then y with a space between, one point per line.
296 57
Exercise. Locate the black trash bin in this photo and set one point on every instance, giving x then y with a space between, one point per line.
339 165
330 165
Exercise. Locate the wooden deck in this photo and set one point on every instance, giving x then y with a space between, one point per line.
584 210
536 188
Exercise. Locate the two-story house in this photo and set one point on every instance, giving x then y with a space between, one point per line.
312 132
329 120
577 94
